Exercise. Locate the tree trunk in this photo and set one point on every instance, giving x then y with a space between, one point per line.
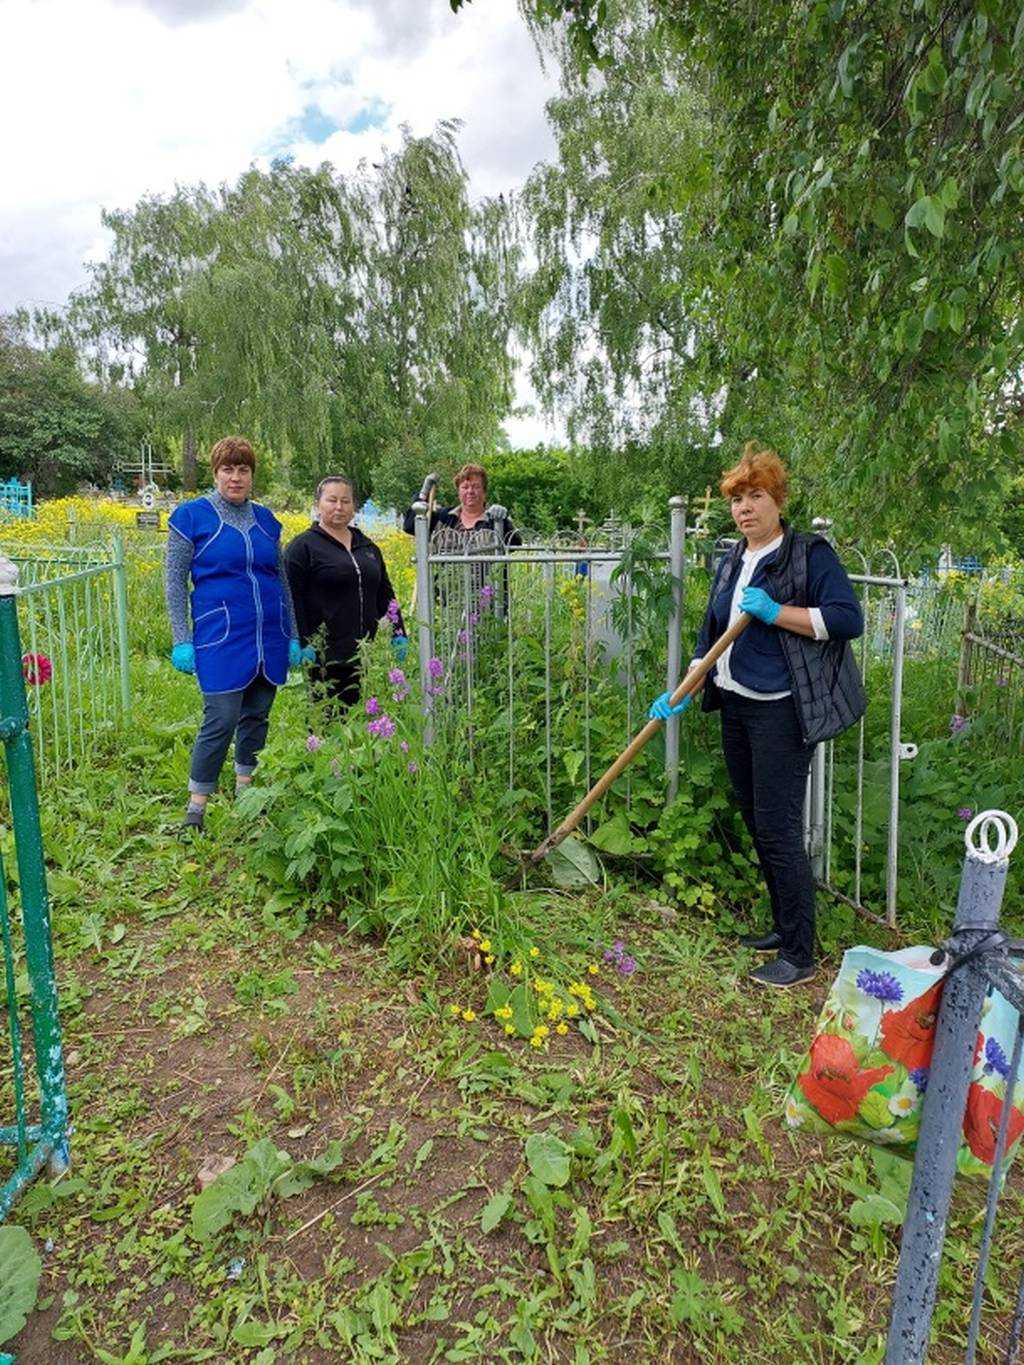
188 461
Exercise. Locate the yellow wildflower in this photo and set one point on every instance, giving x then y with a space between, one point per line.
485 945
454 1009
489 959
476 933
535 952
469 1015
542 1030
536 1042
593 969
572 1011
562 1028
516 968
509 1028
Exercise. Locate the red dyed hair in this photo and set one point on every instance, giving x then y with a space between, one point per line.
758 467
232 450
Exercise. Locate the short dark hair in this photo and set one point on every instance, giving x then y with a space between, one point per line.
336 478
232 450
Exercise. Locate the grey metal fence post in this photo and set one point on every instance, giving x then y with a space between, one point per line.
121 601
931 1187
677 551
897 753
424 612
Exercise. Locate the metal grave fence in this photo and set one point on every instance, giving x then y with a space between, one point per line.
33 1077
990 680
980 959
72 609
529 645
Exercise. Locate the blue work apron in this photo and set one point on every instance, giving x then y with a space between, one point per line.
240 623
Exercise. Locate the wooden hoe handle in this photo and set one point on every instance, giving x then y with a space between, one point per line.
686 688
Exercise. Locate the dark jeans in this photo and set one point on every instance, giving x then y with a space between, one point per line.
768 761
245 715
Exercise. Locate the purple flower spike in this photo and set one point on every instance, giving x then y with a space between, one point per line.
957 724
404 746
881 985
463 637
965 813
413 767
372 706
393 612
627 965
435 668
382 728
314 742
608 955
396 677
486 592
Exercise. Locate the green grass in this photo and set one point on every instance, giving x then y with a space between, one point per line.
200 1021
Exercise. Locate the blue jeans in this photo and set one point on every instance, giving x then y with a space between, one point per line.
246 716
767 761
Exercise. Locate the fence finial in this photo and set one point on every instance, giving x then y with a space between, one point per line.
987 823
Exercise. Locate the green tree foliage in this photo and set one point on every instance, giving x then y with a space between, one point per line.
56 428
832 195
544 489
355 322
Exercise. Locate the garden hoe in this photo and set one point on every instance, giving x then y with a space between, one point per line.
686 688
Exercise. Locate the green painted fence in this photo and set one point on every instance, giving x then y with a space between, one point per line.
34 1074
72 610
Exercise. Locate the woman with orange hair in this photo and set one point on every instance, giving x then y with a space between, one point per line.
785 685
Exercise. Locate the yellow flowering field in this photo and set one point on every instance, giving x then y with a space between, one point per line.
81 520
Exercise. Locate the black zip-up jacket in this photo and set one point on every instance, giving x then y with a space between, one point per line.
344 592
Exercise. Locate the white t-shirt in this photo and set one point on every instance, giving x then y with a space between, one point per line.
723 678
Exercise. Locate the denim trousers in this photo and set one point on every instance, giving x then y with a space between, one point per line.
245 715
767 761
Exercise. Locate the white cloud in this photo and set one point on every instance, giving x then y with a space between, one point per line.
115 99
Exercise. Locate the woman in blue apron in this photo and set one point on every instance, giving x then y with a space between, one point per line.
237 632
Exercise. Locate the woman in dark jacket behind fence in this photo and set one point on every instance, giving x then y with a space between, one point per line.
341 591
786 684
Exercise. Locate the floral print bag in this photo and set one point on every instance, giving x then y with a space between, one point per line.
867 1069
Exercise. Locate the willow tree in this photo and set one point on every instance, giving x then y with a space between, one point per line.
857 232
347 322
428 377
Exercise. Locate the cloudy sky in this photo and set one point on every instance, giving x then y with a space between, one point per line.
103 101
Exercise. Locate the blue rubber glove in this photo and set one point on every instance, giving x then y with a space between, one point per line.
756 602
399 648
661 710
294 654
183 657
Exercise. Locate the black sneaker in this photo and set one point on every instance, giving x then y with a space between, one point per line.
762 943
779 972
193 821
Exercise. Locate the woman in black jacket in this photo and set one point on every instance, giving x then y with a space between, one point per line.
788 683
341 592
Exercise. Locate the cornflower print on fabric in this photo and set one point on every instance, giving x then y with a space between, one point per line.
880 985
995 1059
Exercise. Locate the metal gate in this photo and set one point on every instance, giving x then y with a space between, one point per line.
485 612
43 1141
